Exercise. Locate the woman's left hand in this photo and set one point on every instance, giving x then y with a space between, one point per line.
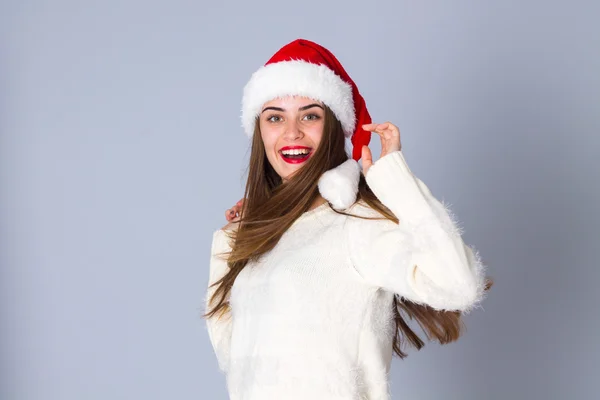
390 142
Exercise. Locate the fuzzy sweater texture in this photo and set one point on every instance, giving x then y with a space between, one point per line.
313 318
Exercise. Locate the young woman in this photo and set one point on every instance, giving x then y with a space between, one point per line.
311 287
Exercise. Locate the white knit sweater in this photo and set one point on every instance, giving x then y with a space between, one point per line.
313 318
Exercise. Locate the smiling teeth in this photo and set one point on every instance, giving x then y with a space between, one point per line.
295 152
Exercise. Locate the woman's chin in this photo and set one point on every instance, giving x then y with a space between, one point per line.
288 173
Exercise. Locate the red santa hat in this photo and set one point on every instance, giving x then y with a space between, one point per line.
305 68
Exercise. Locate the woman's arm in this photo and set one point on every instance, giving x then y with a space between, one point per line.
423 258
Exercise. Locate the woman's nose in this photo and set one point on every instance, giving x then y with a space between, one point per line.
292 131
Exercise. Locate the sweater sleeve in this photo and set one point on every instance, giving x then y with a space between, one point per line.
423 258
219 327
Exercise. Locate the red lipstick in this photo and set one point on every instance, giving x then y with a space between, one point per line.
295 159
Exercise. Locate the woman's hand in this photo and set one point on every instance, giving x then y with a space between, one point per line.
233 214
390 142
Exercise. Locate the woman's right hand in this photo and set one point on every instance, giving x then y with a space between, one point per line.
233 214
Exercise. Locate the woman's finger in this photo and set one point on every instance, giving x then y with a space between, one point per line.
234 213
367 159
369 126
374 127
373 130
381 129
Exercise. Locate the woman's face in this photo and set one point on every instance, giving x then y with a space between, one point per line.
291 129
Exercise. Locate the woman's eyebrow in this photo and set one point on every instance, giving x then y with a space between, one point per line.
300 109
310 106
273 108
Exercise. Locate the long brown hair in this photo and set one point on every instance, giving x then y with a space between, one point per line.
271 206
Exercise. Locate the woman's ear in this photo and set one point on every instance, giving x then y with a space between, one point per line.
339 185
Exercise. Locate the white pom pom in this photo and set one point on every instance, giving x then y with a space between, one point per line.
339 185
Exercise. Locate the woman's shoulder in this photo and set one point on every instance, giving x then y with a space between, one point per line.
222 238
226 231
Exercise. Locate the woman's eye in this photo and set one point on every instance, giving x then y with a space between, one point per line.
312 117
274 118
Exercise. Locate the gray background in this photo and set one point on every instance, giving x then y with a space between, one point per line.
121 148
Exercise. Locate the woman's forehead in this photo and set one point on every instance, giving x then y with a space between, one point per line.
291 102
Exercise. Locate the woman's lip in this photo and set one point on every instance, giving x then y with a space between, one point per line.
295 148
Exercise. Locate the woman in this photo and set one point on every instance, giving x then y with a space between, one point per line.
309 289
